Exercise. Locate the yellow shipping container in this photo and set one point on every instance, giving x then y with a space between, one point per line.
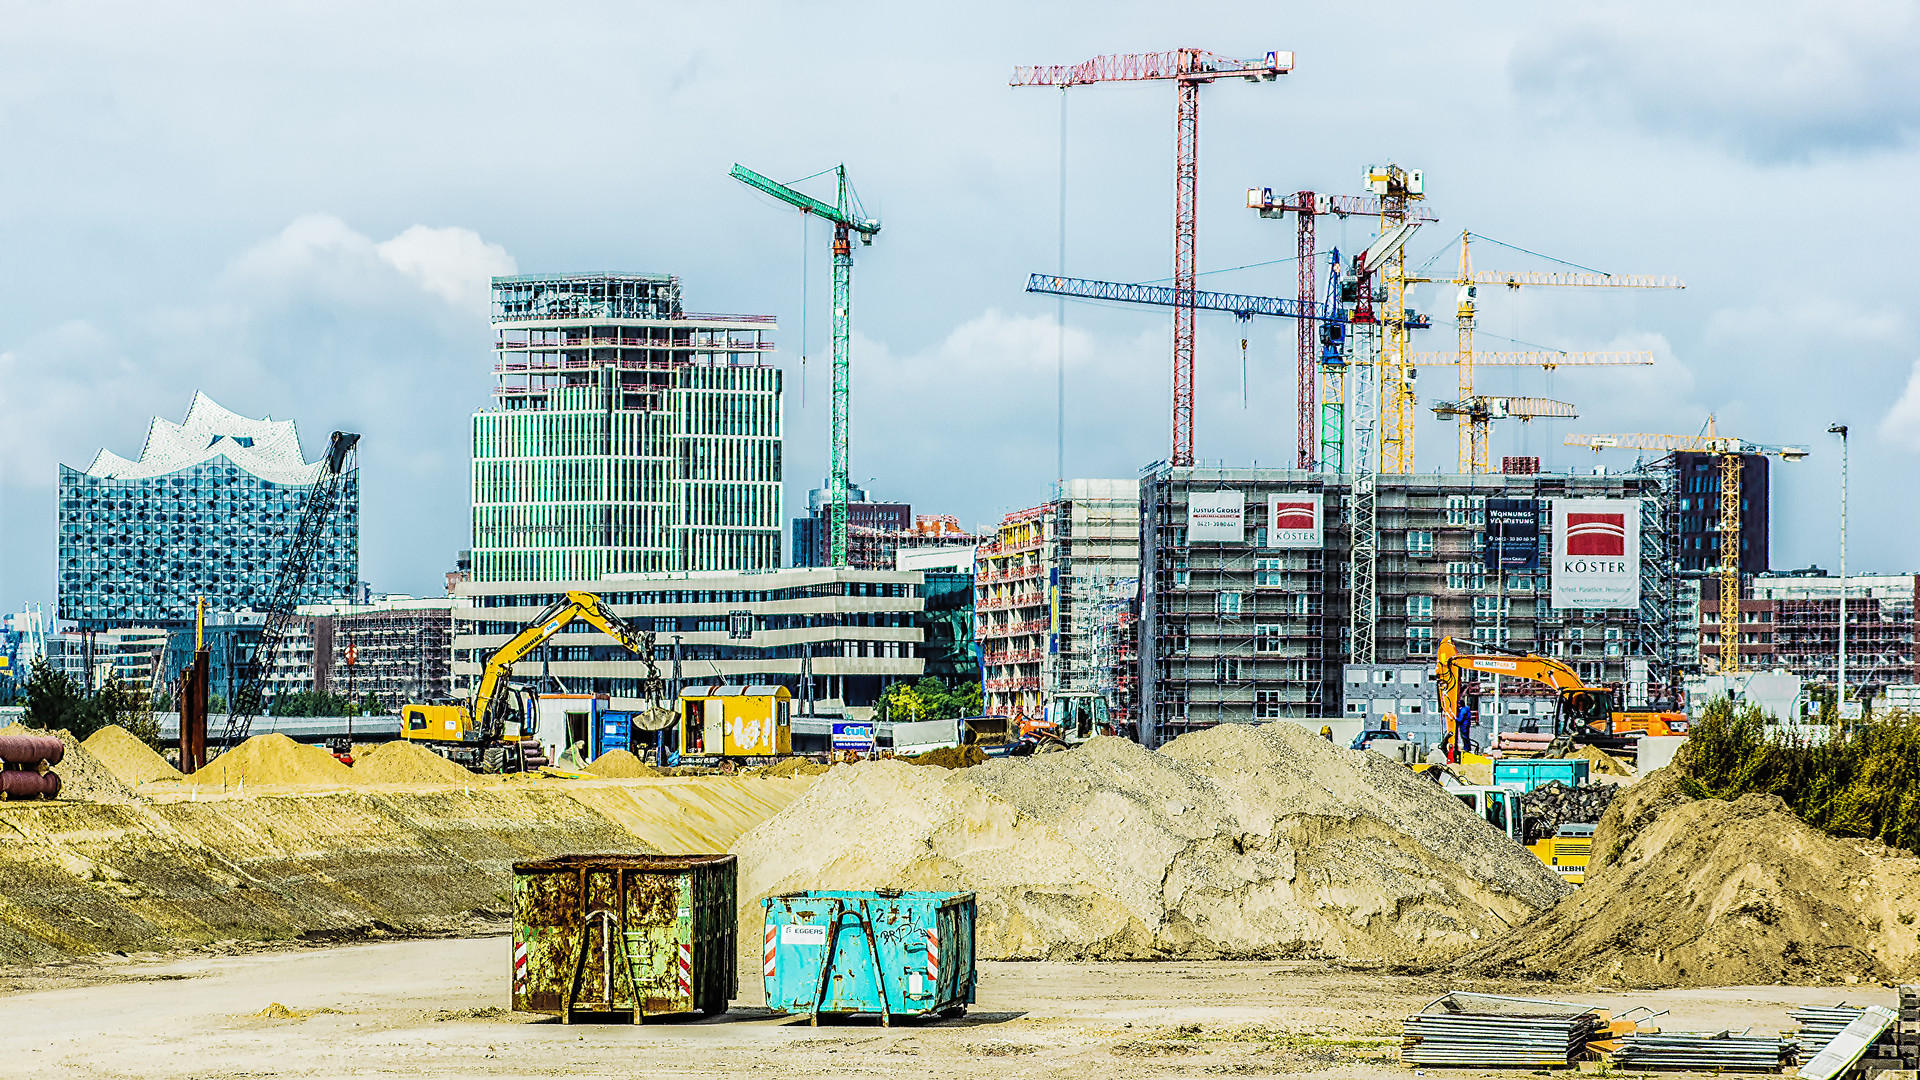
737 721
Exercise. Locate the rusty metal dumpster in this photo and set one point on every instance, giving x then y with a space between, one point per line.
889 952
643 935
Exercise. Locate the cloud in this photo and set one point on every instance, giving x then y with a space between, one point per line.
452 263
1785 85
322 256
1901 425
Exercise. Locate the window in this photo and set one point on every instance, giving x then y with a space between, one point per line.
1487 608
1180 574
1226 669
1466 509
1519 583
1420 608
1227 605
1266 573
1465 576
1266 705
1266 637
1419 641
1420 544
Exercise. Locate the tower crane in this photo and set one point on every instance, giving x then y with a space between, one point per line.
1479 409
1188 70
1307 206
847 221
1730 451
1473 455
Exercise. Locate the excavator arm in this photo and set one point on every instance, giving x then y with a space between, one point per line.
574 605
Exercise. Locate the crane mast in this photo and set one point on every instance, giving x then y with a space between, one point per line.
1730 452
847 221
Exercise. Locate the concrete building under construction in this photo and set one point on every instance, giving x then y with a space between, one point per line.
1044 583
1247 626
628 435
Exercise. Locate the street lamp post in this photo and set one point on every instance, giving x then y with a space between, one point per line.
1840 698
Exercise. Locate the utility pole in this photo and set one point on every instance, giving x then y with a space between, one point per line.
1840 687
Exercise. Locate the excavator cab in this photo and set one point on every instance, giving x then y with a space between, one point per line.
1584 710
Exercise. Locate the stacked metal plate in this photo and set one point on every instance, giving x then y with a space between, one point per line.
1820 1023
1489 1031
1719 1051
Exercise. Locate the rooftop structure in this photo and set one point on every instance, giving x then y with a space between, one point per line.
207 510
628 435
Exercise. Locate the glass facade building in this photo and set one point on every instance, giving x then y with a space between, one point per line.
628 436
208 510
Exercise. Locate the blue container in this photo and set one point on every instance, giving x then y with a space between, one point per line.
1527 775
887 952
612 731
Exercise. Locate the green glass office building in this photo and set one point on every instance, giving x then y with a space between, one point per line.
627 435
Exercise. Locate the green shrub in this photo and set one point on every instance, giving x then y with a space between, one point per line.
1863 780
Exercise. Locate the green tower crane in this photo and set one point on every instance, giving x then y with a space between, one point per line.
846 221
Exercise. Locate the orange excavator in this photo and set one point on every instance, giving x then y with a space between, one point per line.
1582 713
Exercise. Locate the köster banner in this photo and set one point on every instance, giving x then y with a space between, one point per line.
1596 553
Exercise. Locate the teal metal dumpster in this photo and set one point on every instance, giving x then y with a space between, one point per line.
641 935
895 953
1530 773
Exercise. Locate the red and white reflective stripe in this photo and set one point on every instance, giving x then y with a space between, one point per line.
933 956
686 971
766 955
519 966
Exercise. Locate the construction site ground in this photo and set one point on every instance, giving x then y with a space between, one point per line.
439 1008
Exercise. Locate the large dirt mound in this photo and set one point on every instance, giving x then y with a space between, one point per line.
273 759
402 762
133 761
1713 893
1236 841
199 866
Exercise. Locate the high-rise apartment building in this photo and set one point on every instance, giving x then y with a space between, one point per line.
208 510
628 435
1791 620
1242 626
1044 584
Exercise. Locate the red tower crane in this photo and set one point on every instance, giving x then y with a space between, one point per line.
1188 69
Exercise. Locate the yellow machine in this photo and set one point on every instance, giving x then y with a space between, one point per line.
736 721
472 733
1567 851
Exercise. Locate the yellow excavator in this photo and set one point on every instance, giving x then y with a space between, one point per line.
473 733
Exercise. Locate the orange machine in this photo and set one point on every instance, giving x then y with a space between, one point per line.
1581 711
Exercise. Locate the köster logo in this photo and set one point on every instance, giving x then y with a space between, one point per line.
1293 515
1597 534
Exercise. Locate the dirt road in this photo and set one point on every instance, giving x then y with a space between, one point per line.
437 1008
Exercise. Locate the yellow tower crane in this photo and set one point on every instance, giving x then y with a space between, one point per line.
1730 451
1473 454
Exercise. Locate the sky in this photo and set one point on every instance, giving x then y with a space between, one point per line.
296 208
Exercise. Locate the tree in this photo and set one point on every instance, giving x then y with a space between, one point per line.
54 701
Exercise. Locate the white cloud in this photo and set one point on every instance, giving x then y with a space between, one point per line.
454 264
1788 84
1901 425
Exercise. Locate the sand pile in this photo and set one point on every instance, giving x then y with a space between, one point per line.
951 757
1236 841
133 761
1706 892
621 765
790 767
1603 763
83 777
402 762
273 759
